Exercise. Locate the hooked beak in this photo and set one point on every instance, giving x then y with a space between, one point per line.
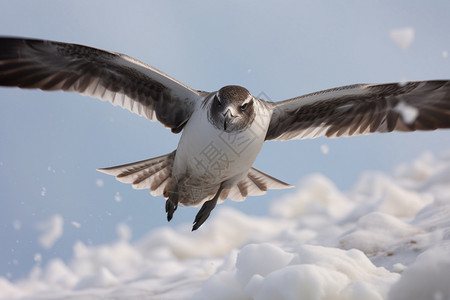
228 116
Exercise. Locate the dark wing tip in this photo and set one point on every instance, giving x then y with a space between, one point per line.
117 78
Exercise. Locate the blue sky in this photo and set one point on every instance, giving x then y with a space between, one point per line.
52 143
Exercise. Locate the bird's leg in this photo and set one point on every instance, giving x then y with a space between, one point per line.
172 202
206 209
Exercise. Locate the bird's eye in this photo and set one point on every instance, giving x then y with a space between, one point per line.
244 106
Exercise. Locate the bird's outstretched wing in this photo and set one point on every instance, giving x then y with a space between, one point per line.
362 109
109 76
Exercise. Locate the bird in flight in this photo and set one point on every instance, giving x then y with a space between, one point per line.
223 131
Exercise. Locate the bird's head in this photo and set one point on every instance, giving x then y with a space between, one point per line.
231 109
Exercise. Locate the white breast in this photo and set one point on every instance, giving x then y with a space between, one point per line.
214 156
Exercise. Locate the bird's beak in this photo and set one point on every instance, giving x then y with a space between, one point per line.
228 116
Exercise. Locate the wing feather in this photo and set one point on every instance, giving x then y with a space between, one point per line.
109 76
362 109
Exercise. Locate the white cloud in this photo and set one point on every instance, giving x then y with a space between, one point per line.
51 230
403 37
322 244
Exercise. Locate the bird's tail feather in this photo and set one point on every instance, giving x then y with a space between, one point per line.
255 183
154 174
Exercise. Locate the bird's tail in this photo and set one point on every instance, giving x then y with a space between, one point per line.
154 174
255 183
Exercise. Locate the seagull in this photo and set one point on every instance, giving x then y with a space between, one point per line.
222 131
